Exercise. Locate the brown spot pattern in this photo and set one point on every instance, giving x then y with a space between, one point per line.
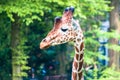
81 46
76 49
74 75
75 65
76 34
80 75
78 39
77 56
80 66
81 56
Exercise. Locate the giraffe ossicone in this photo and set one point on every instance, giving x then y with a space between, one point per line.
67 29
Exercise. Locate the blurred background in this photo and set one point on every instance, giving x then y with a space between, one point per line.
24 23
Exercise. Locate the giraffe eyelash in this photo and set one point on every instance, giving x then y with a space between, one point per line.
64 30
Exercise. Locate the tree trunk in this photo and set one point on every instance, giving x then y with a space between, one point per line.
115 25
15 27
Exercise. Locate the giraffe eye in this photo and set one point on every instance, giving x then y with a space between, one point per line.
64 30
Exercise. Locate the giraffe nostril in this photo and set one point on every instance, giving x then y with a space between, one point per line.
44 40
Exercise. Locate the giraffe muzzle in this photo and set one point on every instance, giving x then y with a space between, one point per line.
44 44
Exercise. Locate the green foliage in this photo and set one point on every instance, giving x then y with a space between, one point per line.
27 9
37 17
5 55
110 74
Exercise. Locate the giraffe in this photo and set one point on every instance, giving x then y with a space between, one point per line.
67 29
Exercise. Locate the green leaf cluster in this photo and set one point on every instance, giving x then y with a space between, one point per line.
36 19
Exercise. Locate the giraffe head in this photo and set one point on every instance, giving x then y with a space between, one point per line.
64 30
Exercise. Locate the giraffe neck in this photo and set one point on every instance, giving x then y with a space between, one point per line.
78 58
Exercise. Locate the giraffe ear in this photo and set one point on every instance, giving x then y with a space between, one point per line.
75 24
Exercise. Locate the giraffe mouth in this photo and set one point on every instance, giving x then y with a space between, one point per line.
44 45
